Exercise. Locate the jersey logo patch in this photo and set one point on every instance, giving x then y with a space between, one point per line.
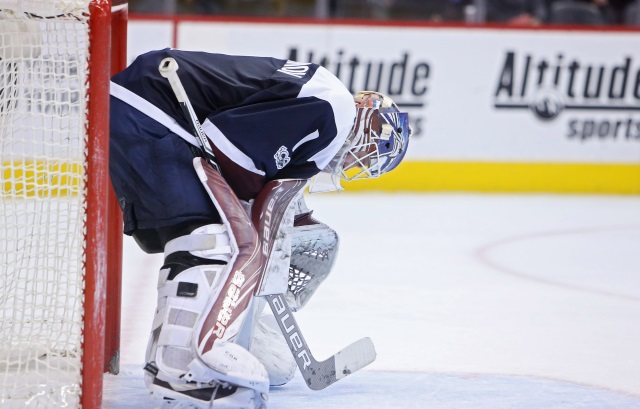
282 157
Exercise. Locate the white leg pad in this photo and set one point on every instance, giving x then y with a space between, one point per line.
172 332
228 375
270 347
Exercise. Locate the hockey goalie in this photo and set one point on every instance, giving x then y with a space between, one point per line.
228 212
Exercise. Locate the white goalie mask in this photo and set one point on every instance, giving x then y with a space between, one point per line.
377 143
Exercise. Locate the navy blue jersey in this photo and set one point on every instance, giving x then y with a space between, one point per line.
267 118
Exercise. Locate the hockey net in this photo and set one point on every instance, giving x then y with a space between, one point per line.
53 188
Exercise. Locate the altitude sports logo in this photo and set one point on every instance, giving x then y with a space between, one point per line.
402 77
603 98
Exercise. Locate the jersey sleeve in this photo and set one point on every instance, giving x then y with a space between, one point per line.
294 137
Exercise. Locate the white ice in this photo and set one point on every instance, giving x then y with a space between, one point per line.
472 301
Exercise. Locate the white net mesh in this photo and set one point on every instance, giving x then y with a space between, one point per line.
43 137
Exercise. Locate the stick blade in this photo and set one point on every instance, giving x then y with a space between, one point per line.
345 362
355 357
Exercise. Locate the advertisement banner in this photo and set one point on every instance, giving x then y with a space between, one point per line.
475 95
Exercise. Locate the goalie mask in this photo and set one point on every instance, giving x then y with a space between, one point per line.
377 143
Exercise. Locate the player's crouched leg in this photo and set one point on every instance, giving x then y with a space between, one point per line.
227 375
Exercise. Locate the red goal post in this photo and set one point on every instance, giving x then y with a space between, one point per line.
61 237
118 62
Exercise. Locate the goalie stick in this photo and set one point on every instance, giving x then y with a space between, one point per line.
268 215
317 374
169 69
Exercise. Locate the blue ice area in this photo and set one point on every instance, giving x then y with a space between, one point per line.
472 301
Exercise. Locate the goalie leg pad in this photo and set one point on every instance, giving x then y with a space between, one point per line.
181 301
225 316
193 276
270 347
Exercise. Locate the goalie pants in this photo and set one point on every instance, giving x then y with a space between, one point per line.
153 177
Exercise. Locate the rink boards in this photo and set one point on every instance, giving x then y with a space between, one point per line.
492 108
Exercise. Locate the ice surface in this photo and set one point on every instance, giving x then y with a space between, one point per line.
472 301
402 390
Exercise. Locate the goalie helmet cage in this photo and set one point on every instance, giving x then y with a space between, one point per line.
60 235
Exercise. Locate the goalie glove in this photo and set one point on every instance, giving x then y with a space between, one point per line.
314 247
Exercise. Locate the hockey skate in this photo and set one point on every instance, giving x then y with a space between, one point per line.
203 387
